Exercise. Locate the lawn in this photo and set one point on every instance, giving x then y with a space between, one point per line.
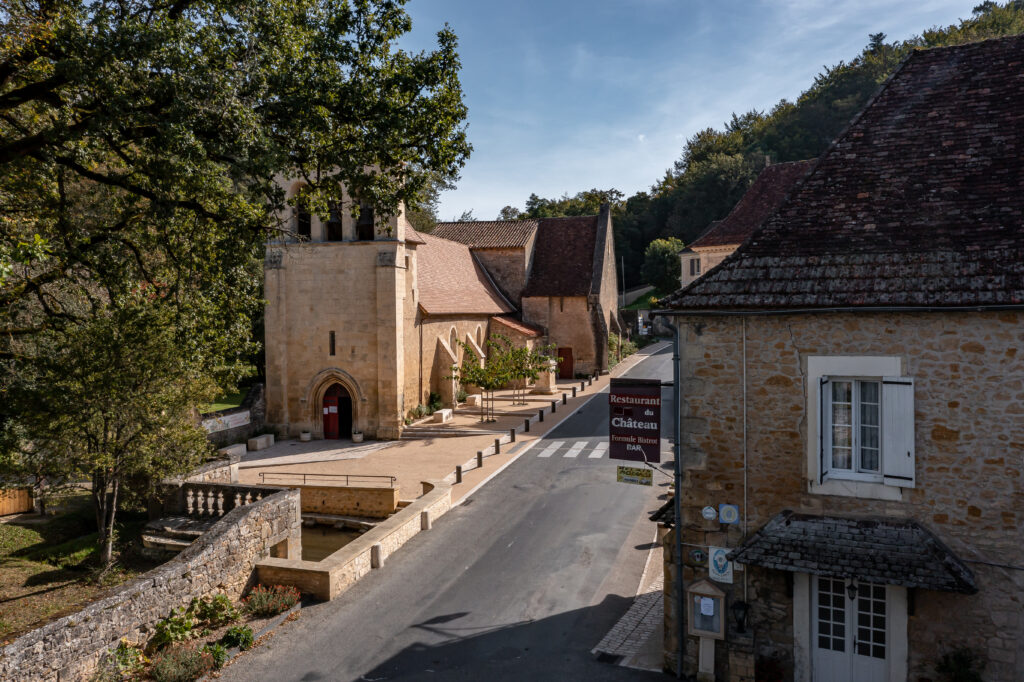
227 402
644 302
47 565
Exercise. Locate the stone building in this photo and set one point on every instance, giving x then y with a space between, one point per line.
363 323
722 237
561 272
852 380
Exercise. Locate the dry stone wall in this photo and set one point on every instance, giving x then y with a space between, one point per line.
222 560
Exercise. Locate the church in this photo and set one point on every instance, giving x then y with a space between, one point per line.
363 322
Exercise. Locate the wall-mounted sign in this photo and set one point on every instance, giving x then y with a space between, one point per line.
635 475
698 556
729 513
634 428
709 513
719 567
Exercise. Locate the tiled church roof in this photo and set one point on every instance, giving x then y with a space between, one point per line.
894 552
497 234
564 261
451 282
920 202
763 197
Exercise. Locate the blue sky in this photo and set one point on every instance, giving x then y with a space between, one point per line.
565 95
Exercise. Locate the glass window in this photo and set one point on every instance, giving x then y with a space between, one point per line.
364 227
334 231
856 425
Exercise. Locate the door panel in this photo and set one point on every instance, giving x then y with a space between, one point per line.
565 364
330 416
850 637
831 651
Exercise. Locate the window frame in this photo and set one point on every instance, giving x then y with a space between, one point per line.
857 471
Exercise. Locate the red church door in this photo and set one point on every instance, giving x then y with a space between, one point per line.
337 412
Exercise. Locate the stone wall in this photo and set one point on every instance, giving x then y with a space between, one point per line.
432 328
256 405
569 324
375 503
222 560
969 441
507 268
218 471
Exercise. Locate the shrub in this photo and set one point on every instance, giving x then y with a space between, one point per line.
270 601
125 662
461 395
238 636
434 402
177 627
181 664
218 654
214 611
960 665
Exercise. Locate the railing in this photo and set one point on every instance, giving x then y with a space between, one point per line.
209 499
346 480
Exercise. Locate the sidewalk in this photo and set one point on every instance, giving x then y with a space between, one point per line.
413 461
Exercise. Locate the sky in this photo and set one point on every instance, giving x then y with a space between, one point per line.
568 95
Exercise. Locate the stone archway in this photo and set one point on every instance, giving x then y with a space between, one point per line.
318 389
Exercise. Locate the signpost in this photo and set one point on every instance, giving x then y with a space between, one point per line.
635 420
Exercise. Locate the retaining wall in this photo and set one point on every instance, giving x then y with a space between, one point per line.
374 503
328 578
222 560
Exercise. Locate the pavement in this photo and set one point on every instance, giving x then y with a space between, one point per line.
524 579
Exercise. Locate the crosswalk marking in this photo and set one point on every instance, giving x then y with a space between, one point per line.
575 449
550 450
600 450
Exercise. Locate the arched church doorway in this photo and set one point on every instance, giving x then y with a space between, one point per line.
337 412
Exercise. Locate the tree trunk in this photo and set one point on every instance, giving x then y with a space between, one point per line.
106 508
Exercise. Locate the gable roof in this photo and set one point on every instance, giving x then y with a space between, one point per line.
496 234
525 328
888 551
564 257
920 202
451 282
759 202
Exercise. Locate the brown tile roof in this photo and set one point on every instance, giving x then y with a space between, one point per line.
563 257
920 202
525 328
763 197
451 282
495 234
412 236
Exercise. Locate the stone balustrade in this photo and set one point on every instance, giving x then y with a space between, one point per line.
206 500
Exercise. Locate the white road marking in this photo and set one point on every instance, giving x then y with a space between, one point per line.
550 450
600 450
575 449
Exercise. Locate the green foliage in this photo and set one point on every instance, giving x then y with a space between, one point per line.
270 601
461 395
181 664
240 636
433 402
178 627
961 664
218 654
214 611
616 352
661 264
587 202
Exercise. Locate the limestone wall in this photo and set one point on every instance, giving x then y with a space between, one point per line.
222 560
349 501
969 442
569 323
508 269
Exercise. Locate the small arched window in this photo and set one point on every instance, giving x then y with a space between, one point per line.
303 221
453 342
364 226
334 231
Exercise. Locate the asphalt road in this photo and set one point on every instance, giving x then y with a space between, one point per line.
520 581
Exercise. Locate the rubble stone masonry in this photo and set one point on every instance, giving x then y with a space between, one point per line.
968 369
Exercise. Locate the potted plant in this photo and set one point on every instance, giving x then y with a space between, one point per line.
357 436
305 436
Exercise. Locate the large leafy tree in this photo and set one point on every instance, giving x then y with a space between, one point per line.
141 147
661 264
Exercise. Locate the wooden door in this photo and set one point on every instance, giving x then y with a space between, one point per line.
331 416
565 364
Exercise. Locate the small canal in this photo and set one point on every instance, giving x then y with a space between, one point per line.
319 542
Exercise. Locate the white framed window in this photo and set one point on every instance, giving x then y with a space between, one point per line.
694 267
861 436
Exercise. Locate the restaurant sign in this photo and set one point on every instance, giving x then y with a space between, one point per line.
635 420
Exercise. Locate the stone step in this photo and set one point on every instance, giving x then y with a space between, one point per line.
154 541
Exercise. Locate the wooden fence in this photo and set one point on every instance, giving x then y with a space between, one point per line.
15 501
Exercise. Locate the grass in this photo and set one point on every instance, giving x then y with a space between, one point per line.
48 567
644 302
227 402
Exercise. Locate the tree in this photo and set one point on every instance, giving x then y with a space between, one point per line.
112 399
508 213
141 143
661 264
465 217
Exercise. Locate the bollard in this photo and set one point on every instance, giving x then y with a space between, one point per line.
540 415
564 400
554 406
526 425
377 555
424 520
590 381
479 459
583 385
497 446
512 435
458 473
573 391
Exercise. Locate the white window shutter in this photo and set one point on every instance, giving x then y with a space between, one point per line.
898 431
824 429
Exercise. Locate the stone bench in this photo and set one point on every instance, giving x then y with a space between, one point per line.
442 416
473 400
261 442
238 449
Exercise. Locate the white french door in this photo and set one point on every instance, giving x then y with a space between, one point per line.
850 638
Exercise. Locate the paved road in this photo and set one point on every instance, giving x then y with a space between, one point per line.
521 581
